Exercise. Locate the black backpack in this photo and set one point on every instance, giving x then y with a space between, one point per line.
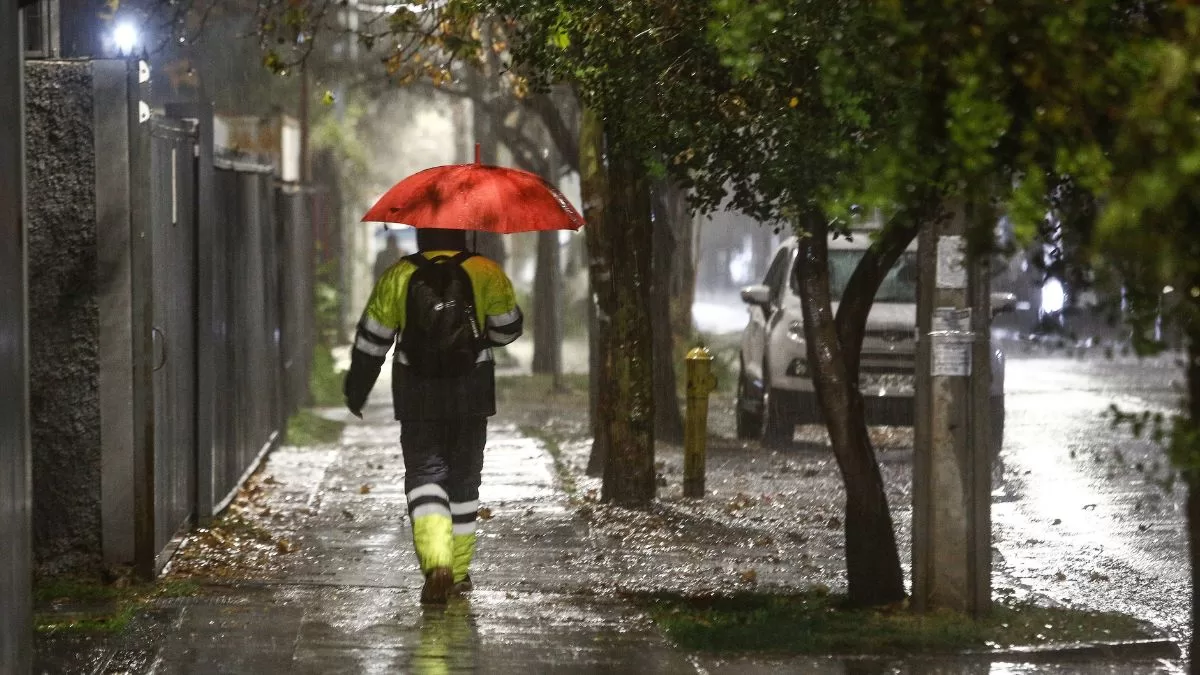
441 335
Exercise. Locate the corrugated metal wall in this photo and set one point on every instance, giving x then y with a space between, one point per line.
15 553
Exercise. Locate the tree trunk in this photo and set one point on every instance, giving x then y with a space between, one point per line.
668 421
683 268
485 80
859 296
547 305
594 189
872 561
624 297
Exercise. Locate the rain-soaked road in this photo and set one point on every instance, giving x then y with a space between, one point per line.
1082 514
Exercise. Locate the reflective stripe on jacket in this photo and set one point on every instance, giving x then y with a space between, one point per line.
496 307
382 325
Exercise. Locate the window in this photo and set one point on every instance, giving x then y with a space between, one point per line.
900 284
36 18
776 272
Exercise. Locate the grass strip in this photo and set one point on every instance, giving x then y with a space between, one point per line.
84 605
324 379
817 622
306 428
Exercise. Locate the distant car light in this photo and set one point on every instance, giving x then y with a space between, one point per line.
1054 297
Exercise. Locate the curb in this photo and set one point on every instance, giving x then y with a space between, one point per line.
1116 650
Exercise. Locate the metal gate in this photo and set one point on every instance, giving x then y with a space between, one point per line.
173 218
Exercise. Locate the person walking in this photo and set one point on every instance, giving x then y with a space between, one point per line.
388 256
444 309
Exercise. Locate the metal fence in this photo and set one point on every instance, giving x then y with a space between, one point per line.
233 303
16 633
247 415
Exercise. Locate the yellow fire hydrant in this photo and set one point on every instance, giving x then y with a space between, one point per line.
700 383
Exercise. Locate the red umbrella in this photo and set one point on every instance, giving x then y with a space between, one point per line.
476 197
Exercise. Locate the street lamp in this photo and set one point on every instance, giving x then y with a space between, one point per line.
125 37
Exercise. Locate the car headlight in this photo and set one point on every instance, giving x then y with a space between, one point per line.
795 331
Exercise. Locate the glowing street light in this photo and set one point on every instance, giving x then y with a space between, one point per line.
125 37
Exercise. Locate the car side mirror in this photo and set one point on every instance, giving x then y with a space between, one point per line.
1003 302
756 295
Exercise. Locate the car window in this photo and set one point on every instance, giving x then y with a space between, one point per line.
776 271
900 284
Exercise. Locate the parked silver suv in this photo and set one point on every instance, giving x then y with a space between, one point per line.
775 391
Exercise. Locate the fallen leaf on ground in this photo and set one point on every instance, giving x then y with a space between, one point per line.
285 546
364 489
750 576
485 513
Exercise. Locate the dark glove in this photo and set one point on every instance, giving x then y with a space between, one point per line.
364 370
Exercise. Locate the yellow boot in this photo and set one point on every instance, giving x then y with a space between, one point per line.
432 541
464 551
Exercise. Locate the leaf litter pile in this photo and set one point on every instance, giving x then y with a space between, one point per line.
247 541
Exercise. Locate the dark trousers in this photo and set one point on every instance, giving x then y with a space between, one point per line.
445 452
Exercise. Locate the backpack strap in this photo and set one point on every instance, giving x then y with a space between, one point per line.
418 260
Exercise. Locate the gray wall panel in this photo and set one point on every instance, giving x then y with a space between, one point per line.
116 375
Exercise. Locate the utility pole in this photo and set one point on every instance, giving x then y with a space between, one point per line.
16 578
952 453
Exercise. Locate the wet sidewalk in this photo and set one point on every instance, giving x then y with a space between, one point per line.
312 569
339 593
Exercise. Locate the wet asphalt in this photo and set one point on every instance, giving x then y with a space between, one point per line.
1085 514
320 577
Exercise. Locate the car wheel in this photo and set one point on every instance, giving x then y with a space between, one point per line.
749 423
778 427
997 414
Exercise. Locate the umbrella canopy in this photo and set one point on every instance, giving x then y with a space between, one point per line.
476 197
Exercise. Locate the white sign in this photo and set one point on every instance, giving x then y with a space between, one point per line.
951 319
951 262
951 356
951 339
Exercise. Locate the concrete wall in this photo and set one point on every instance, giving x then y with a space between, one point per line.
64 316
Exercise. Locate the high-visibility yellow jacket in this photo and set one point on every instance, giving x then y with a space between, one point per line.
382 327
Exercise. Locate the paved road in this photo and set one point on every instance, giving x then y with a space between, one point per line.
1082 515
